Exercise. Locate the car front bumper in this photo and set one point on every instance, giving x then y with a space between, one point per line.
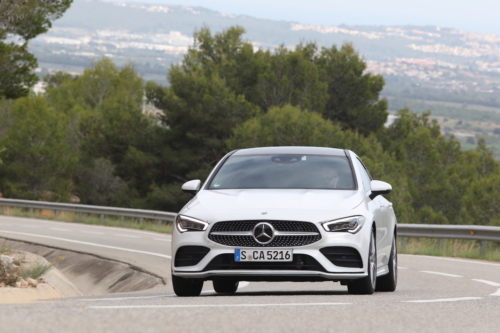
359 241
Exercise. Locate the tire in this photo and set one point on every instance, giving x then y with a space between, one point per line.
388 282
225 286
367 285
186 287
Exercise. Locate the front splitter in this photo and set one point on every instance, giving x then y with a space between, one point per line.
269 273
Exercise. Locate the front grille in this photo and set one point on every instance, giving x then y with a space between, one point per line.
343 256
278 241
190 255
301 262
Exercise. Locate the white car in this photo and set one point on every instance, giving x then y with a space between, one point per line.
286 214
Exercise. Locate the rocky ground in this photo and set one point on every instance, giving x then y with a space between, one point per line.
13 268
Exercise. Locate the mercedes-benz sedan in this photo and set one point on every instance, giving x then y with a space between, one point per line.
286 214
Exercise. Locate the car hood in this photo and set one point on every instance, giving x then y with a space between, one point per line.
289 204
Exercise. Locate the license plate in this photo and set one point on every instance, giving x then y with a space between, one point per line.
263 255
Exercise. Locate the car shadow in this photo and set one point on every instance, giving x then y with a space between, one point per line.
280 293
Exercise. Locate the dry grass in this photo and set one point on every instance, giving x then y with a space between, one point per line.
113 221
5 248
450 248
35 270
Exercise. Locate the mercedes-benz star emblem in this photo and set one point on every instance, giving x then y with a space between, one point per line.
263 233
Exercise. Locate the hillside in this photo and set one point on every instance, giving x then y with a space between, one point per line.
419 63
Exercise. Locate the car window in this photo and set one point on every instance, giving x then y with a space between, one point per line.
365 176
304 171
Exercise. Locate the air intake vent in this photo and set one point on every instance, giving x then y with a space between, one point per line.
190 255
343 256
301 262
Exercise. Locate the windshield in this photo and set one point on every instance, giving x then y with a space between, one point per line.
284 171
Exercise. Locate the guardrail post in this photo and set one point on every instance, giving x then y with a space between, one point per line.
56 214
80 215
121 218
31 211
483 248
404 240
442 245
101 219
1 210
140 221
158 223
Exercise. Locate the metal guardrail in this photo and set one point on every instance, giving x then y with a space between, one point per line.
470 232
57 207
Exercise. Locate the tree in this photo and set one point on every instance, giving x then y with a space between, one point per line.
22 21
353 95
38 160
481 201
16 66
227 55
201 111
121 143
291 77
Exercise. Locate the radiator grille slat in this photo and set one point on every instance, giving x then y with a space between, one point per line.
278 241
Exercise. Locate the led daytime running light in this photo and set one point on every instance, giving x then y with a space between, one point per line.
186 223
349 224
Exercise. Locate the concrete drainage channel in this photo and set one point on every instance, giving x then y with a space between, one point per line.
91 274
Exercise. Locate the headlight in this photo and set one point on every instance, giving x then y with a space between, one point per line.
350 224
186 223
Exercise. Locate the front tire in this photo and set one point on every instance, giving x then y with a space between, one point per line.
186 287
388 282
367 285
225 286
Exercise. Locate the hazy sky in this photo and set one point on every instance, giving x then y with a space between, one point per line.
473 15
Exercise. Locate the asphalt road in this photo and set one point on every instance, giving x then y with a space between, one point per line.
434 294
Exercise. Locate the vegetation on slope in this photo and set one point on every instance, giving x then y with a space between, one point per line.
94 136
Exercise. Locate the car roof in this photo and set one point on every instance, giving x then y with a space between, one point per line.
292 150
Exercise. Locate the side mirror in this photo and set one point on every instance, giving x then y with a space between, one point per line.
379 187
191 187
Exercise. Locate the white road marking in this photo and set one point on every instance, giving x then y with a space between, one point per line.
209 305
478 262
496 294
439 273
92 232
399 267
59 229
240 286
444 300
129 236
90 244
494 284
123 298
243 284
163 239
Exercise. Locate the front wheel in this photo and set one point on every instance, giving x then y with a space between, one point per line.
186 287
367 285
388 282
